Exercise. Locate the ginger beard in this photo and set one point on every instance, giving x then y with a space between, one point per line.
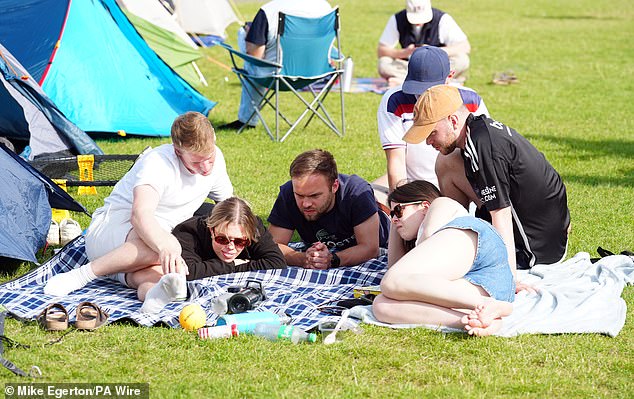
443 138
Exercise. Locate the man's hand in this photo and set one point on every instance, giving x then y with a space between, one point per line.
170 257
406 52
318 257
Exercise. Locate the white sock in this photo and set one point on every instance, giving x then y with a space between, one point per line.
120 278
64 283
171 287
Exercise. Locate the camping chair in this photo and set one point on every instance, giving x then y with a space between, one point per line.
304 49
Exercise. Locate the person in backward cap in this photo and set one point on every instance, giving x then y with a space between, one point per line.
428 66
511 182
421 25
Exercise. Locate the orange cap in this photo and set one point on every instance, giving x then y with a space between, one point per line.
437 103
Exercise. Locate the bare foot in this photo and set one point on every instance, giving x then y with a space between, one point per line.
492 309
486 318
494 327
472 319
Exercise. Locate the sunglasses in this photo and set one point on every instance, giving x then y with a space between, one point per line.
398 208
238 242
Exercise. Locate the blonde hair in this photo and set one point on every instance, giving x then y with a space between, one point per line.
238 211
193 132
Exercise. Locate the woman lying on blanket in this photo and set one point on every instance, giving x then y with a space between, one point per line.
456 275
231 239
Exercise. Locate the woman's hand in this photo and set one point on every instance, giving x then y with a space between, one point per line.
519 286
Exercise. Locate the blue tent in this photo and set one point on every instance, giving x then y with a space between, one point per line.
29 117
25 203
95 66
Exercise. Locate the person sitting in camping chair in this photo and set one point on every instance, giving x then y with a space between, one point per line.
129 238
261 43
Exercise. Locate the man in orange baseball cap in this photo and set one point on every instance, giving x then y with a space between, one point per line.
488 163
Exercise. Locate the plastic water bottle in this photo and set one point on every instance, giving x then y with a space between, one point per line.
247 321
348 67
283 332
219 304
224 331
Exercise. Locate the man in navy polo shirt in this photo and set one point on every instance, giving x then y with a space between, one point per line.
335 215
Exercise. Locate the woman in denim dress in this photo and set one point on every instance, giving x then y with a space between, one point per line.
456 273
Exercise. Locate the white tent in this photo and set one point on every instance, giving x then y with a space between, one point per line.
206 17
152 11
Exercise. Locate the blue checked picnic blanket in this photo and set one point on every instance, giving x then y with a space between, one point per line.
294 291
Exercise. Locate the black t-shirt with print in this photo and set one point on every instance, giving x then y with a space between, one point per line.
505 169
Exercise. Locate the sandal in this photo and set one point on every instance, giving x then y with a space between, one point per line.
54 317
505 78
89 316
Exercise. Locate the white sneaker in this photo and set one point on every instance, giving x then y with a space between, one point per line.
69 230
52 238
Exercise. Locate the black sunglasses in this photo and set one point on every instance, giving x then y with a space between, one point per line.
398 208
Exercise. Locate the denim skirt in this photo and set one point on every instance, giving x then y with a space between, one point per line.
490 269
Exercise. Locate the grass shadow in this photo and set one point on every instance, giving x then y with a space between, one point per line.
627 181
587 150
574 17
608 147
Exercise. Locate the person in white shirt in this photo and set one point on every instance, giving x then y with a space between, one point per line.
129 238
428 66
421 25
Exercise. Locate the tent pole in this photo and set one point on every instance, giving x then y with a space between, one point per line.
220 64
200 75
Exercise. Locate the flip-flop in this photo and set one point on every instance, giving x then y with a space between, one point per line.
54 317
89 316
505 78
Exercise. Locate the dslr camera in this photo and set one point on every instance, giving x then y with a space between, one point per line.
239 299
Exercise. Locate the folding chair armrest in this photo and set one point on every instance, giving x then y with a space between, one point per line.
258 62
336 56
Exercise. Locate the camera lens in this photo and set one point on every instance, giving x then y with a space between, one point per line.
239 304
244 300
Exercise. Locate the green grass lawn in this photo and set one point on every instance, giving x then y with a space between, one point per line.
574 59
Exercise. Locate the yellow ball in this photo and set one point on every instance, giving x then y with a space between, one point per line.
192 317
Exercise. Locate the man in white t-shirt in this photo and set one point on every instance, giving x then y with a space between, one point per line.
421 25
428 66
130 237
261 43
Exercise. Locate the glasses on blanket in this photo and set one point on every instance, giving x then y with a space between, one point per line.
398 208
238 242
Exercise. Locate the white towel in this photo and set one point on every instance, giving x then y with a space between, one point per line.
575 296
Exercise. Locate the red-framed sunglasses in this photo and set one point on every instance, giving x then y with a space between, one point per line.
224 240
